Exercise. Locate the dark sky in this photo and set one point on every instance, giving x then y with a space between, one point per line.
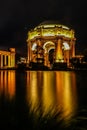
19 16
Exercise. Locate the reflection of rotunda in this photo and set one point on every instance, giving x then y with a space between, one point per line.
51 42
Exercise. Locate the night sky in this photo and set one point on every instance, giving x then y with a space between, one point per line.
19 16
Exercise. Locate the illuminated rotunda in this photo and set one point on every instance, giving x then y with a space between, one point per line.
50 43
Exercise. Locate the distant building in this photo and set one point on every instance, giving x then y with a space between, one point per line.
7 58
51 42
22 60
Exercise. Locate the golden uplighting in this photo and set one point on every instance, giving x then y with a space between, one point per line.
47 36
7 58
51 30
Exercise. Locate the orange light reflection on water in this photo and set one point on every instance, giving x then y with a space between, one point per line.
52 91
32 90
7 83
66 93
48 93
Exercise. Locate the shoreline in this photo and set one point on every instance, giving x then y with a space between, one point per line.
42 69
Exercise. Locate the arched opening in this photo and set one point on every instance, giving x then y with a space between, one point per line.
51 56
49 48
48 45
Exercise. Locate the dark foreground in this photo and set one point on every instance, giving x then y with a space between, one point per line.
20 118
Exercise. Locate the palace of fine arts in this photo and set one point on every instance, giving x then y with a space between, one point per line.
50 46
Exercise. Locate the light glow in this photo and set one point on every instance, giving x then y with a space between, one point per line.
50 30
34 46
53 25
66 46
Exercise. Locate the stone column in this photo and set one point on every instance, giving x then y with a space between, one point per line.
39 49
39 42
29 53
9 60
58 51
12 59
1 60
46 63
5 60
72 42
66 57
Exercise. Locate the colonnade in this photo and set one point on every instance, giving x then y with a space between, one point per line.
7 58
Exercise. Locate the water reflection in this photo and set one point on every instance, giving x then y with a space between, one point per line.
66 93
7 83
50 92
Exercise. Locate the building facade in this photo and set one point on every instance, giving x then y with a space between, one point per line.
7 58
51 42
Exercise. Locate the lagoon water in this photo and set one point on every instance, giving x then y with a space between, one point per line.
43 100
